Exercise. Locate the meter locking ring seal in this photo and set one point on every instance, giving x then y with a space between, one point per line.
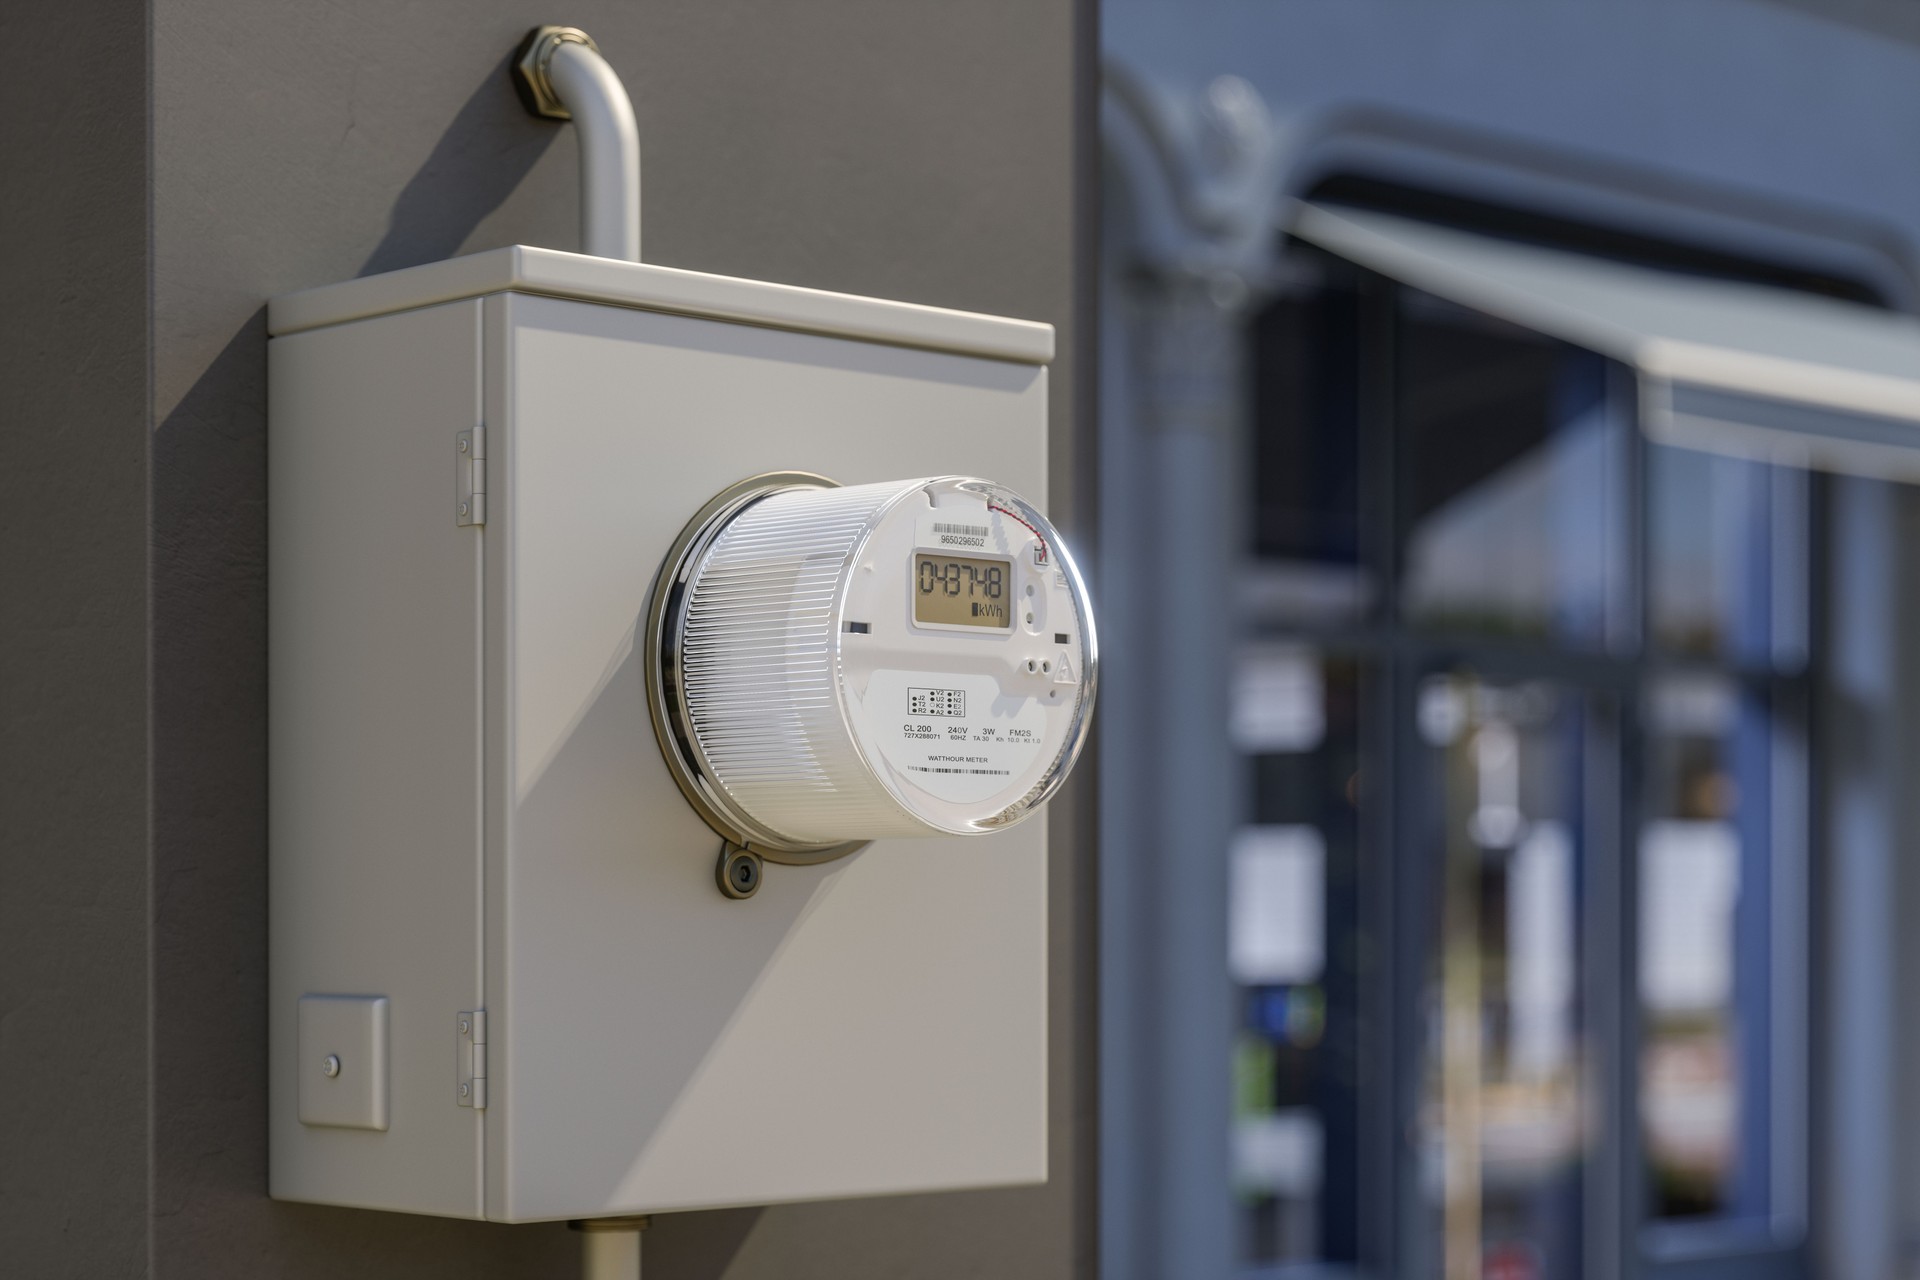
666 692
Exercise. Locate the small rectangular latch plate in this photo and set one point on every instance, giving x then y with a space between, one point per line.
342 1078
470 477
471 1028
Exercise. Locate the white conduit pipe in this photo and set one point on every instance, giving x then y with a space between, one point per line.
610 1248
610 1255
564 77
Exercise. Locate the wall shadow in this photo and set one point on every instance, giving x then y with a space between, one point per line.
485 153
697 1246
612 874
208 654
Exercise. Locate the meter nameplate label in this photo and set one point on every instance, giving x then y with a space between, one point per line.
957 737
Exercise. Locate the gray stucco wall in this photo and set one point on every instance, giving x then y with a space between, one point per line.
916 151
74 959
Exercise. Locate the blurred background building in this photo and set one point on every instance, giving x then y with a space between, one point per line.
1507 533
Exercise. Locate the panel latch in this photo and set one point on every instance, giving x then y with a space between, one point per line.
470 477
472 1059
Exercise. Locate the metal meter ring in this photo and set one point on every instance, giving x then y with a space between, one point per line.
666 700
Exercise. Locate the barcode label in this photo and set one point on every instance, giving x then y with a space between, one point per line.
953 530
925 768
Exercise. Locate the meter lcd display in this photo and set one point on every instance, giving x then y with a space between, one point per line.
961 591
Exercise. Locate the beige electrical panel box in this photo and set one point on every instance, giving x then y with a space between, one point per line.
504 984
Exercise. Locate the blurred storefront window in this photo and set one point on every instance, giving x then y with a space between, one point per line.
1726 570
1292 945
1511 480
1517 699
1717 870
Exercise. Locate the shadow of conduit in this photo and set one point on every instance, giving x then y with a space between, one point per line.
485 153
481 159
697 1246
211 485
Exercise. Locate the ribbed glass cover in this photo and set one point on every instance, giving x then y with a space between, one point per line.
759 663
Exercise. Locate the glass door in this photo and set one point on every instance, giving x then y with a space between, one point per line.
1512 774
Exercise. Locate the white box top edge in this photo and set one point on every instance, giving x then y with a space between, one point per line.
552 273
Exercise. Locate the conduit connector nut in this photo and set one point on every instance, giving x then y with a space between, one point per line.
530 69
638 1222
739 872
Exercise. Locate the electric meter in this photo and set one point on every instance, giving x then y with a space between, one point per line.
835 665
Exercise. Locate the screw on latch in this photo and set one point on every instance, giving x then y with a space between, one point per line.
466 446
466 1026
331 1065
466 1091
739 871
464 508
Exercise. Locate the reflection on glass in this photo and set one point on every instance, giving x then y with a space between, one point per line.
1292 952
1510 480
1304 499
1727 548
1703 952
1505 1113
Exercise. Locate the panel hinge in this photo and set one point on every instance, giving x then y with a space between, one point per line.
470 477
472 1059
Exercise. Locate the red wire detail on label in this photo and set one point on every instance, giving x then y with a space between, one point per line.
1030 529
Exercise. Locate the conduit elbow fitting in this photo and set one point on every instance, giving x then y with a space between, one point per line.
559 74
